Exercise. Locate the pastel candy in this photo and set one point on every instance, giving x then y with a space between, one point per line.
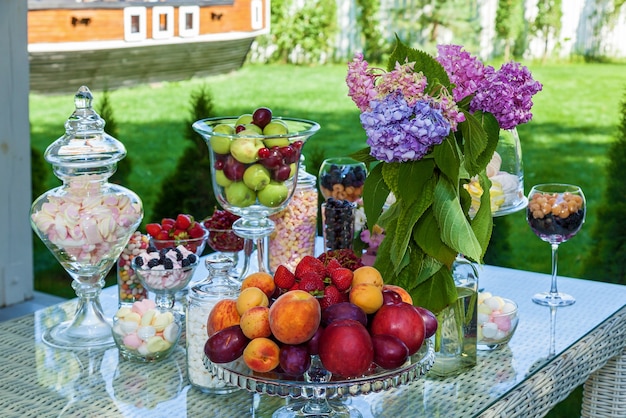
123 311
157 344
132 341
508 308
145 333
482 318
482 296
139 308
143 349
171 332
147 317
490 330
128 327
148 303
502 322
162 320
495 303
134 317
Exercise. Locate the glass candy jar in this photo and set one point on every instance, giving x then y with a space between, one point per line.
87 221
296 225
506 172
202 298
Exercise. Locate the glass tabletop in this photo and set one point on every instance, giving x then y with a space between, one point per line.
40 380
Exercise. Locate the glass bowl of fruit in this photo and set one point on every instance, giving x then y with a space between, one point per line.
183 230
342 178
497 320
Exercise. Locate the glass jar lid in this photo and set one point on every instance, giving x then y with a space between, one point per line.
85 145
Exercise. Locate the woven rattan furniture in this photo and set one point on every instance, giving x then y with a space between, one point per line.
522 379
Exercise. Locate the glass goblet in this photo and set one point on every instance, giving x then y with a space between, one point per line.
195 245
229 244
254 175
555 213
164 283
342 178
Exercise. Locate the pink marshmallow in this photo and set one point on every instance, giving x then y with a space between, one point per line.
132 341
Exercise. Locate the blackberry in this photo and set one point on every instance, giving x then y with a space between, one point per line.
185 263
139 261
338 224
179 254
153 263
168 264
192 258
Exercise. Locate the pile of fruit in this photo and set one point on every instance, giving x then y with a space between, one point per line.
253 159
277 322
221 235
343 182
184 230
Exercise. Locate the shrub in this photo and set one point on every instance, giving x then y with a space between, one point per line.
608 261
105 110
189 189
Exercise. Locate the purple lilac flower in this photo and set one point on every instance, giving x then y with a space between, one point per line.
397 132
464 70
507 94
360 81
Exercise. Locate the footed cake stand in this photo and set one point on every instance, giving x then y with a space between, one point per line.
317 387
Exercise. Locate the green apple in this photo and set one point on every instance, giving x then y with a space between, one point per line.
276 142
294 170
246 149
221 179
221 144
273 195
276 127
251 127
244 119
240 195
256 177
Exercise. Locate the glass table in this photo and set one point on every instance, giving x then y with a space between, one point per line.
551 353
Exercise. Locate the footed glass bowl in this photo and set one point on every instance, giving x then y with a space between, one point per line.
317 386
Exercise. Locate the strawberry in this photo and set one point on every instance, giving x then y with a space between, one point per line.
331 264
196 230
342 278
183 221
310 264
153 229
163 235
283 278
168 222
179 234
331 296
312 283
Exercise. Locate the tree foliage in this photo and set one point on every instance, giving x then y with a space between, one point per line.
547 23
608 261
509 24
189 189
368 22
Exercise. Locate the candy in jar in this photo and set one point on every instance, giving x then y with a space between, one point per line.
129 285
202 297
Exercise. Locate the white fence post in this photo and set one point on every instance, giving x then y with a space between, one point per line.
16 255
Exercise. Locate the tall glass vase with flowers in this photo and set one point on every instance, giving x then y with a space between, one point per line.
432 126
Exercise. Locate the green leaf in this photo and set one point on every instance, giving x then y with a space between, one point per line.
363 155
391 172
407 218
448 158
436 293
482 224
412 176
481 134
428 237
456 231
375 193
429 66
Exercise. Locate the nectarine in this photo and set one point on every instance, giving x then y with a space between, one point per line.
255 322
223 315
251 297
262 355
262 280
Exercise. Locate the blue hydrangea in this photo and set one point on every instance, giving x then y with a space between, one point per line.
397 132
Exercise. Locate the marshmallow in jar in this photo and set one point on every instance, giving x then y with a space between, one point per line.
202 298
296 225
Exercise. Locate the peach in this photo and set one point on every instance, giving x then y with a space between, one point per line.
295 317
223 315
262 355
255 322
368 297
262 280
251 297
369 275
406 296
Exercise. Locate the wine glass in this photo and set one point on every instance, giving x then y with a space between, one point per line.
555 213
254 174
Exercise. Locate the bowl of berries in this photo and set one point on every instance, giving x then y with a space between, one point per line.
342 178
183 230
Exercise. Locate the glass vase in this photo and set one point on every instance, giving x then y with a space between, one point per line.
506 172
455 339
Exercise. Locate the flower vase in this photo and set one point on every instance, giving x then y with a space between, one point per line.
506 173
455 339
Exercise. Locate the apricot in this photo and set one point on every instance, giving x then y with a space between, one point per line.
369 275
223 315
366 296
262 355
262 280
295 317
406 296
255 322
251 297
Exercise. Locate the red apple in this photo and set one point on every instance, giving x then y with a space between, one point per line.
403 321
346 348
